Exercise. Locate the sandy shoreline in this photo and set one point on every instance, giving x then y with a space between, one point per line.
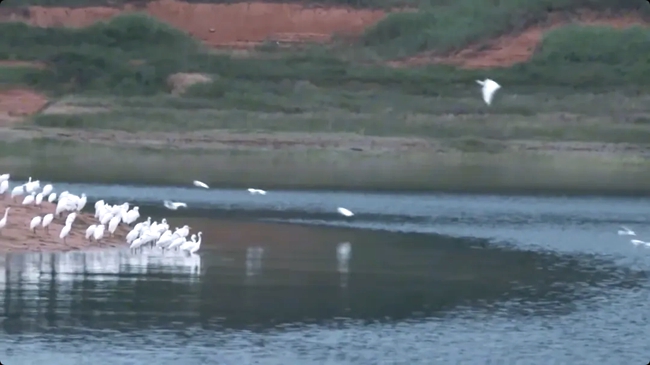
16 236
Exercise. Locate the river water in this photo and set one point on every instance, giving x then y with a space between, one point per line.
431 279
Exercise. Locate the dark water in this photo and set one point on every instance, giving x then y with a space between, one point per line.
430 279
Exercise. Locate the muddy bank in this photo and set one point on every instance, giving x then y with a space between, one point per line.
320 161
17 237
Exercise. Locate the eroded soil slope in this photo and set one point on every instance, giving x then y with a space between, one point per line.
516 48
241 24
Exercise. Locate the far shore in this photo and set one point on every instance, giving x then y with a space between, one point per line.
326 161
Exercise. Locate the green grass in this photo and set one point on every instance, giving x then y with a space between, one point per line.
100 59
449 26
609 118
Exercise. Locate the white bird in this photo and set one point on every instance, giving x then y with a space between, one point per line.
89 231
99 232
489 87
3 221
112 224
183 232
70 218
47 219
17 191
131 236
34 223
639 242
64 232
5 177
176 243
51 198
626 232
47 189
39 199
344 212
256 191
188 243
29 199
200 184
174 205
131 216
81 203
193 245
4 186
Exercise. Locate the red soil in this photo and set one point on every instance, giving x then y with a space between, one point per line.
16 103
516 48
222 24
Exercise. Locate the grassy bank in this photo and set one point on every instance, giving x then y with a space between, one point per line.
328 169
134 55
606 118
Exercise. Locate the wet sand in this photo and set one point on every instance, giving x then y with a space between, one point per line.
16 236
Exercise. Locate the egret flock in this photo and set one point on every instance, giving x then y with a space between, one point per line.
108 217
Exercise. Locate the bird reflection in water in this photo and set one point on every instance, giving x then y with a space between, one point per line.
343 253
254 260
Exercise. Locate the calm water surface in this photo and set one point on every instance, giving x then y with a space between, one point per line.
431 279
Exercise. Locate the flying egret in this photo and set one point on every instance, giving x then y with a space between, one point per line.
174 205
256 191
200 184
626 232
344 212
639 242
489 87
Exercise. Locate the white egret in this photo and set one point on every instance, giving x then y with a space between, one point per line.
626 232
17 191
47 219
256 191
131 216
70 218
47 189
5 177
51 198
29 199
64 232
4 186
3 221
112 224
489 87
200 184
99 232
639 242
34 223
90 231
39 199
344 212
174 205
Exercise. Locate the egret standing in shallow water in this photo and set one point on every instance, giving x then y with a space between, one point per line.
489 87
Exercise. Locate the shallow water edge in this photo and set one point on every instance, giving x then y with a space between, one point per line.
557 172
